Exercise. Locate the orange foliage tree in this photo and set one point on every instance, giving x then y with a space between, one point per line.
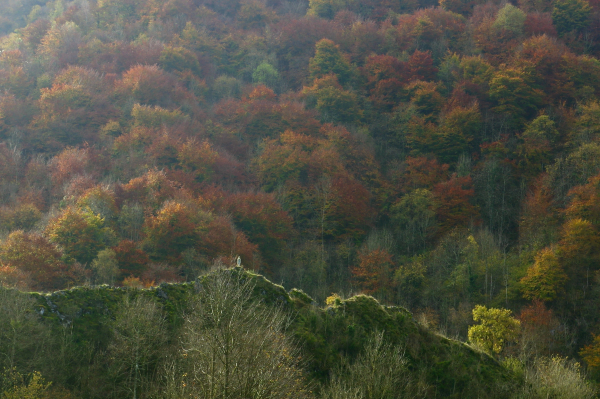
37 262
591 353
171 231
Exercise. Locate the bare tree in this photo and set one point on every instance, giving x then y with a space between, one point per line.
139 338
380 372
235 346
23 336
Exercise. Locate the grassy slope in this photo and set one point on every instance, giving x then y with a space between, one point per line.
451 368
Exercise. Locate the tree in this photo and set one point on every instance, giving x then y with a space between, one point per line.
459 133
236 346
139 335
266 74
495 329
333 102
537 144
263 220
349 210
80 233
18 386
38 261
70 163
385 75
511 19
421 172
131 221
454 206
131 260
106 267
420 66
426 99
546 278
171 231
328 59
463 7
538 323
284 159
179 59
149 85
326 8
413 217
571 15
513 92
591 353
373 270
378 372
24 339
22 217
197 158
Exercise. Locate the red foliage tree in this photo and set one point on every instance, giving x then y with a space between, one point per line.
538 23
537 323
420 66
373 269
131 259
454 199
385 75
421 172
263 220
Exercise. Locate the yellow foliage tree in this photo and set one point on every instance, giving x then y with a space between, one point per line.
545 278
19 386
496 327
591 353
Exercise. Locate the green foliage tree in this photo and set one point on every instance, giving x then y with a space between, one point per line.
179 59
571 15
80 233
538 140
325 8
329 59
106 267
333 102
495 329
514 94
266 74
226 87
414 218
511 19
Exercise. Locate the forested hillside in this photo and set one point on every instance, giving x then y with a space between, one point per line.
437 156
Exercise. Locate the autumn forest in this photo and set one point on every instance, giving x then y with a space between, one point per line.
436 156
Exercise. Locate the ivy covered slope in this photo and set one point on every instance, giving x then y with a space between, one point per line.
450 368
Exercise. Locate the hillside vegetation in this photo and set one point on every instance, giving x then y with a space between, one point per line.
439 155
93 339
